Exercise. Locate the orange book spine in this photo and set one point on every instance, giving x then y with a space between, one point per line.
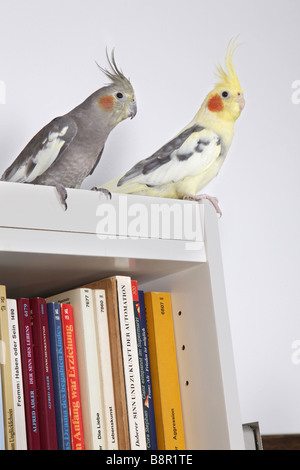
71 366
164 372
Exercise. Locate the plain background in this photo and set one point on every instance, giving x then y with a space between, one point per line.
169 49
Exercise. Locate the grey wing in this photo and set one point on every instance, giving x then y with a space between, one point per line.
45 148
163 155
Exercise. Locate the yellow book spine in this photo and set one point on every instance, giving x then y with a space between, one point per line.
6 375
164 372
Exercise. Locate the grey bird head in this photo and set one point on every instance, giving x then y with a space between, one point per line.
118 97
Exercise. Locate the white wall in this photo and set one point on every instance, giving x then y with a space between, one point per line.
169 48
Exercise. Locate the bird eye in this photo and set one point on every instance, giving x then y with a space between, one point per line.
225 94
119 95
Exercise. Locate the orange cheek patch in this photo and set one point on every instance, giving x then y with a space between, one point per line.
215 103
106 102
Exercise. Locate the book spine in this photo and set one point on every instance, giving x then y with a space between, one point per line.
59 376
28 372
6 375
72 378
131 365
17 382
103 346
44 379
149 395
164 371
2 440
138 327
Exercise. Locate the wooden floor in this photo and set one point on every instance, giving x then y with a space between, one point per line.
281 442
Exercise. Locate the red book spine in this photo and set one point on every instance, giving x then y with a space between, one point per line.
135 292
28 371
72 378
43 371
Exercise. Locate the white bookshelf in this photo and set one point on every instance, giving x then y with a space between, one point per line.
45 250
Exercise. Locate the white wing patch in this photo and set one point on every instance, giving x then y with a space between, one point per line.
39 163
175 170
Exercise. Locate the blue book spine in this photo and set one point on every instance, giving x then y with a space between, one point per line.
2 441
138 328
147 371
59 376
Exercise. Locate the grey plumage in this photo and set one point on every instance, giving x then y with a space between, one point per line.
68 149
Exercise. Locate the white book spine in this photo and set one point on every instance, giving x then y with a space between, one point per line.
103 345
81 300
131 364
17 379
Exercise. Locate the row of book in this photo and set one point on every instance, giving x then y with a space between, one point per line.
91 368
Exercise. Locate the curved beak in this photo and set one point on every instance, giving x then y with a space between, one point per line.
132 109
240 99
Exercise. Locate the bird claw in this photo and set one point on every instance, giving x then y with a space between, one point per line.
104 191
212 199
62 195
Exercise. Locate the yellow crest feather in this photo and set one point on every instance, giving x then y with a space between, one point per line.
229 77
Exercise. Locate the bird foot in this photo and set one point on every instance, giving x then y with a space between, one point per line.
212 199
62 195
104 191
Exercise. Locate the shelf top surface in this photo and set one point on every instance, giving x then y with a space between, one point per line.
32 213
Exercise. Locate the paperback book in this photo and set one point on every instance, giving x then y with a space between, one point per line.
59 376
164 372
43 371
29 378
17 380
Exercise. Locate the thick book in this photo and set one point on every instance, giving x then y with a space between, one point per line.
59 376
164 371
131 364
17 381
89 380
103 346
43 371
110 287
141 359
28 372
6 375
72 377
148 403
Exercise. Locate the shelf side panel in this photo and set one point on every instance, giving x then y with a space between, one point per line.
224 339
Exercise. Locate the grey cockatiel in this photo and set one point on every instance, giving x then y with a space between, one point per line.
68 149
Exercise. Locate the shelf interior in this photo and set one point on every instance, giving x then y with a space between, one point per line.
39 274
200 373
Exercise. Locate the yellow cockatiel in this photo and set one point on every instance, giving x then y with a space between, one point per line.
187 163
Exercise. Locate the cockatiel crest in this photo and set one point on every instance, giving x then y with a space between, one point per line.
227 98
116 76
229 78
68 149
118 82
188 162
